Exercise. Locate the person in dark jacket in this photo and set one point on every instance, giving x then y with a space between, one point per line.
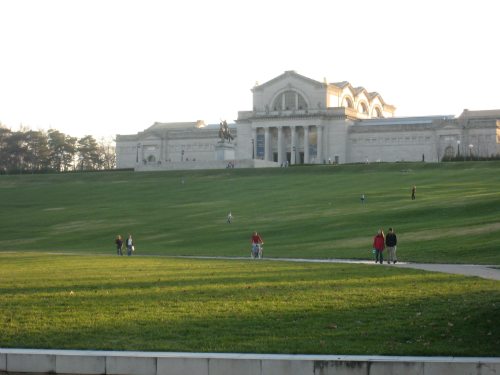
379 245
390 242
119 245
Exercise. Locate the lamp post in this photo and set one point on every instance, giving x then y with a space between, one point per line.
458 148
471 146
253 148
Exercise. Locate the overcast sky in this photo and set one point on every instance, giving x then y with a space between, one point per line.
106 67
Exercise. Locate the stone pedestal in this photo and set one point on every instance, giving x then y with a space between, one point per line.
224 151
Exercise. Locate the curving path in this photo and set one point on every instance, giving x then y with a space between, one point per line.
483 271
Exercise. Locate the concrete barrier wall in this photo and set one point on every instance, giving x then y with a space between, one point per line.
25 361
213 164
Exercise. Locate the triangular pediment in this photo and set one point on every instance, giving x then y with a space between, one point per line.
288 76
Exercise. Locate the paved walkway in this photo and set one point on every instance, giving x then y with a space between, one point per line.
486 272
483 271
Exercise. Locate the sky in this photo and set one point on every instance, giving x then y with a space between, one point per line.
107 67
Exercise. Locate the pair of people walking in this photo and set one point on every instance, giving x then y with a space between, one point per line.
381 241
129 244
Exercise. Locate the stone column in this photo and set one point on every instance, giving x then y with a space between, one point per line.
306 144
165 149
293 146
319 146
266 144
280 145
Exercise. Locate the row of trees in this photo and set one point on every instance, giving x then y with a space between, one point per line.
39 151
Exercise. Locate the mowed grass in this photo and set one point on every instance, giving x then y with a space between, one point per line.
170 304
310 212
90 299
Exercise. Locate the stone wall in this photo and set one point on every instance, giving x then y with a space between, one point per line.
212 164
28 361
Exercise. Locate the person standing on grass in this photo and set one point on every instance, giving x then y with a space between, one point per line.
390 242
256 244
119 245
229 218
379 245
413 192
130 245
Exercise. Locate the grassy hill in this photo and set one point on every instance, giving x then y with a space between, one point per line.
158 303
310 212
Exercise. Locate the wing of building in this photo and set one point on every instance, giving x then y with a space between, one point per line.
298 120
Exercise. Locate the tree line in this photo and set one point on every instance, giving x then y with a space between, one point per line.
35 151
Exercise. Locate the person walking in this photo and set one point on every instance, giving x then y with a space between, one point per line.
413 192
130 245
379 245
391 241
362 198
229 218
119 245
256 245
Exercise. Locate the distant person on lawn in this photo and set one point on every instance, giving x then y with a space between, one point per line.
229 217
119 245
379 245
413 192
256 244
390 242
130 245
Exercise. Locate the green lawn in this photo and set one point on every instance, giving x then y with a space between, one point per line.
61 286
312 212
167 304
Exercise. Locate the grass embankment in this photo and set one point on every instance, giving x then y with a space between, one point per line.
311 212
157 303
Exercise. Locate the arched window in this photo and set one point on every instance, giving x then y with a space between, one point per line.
377 112
347 102
362 108
288 101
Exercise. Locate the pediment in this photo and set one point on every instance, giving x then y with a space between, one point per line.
288 79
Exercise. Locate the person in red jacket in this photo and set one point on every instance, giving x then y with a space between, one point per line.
256 245
379 246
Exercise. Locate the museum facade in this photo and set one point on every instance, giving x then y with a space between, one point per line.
298 120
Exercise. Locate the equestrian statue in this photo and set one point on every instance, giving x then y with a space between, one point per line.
224 132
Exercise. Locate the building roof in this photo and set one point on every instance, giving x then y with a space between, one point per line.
288 73
176 125
481 113
231 125
340 84
403 120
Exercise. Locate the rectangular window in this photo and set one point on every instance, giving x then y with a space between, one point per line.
260 145
289 100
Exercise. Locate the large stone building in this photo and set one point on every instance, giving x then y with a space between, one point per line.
298 120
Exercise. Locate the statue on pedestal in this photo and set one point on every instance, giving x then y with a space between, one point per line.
224 132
